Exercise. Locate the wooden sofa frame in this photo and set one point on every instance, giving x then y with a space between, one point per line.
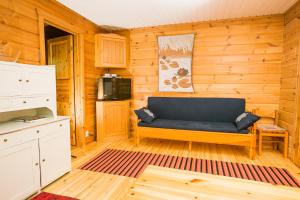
247 140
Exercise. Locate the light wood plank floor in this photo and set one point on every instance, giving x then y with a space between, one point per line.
164 183
92 185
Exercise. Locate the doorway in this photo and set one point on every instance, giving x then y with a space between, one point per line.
60 52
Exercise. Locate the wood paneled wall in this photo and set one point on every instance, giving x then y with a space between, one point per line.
19 38
92 74
232 58
289 93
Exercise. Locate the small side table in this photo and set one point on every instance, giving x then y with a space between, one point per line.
273 131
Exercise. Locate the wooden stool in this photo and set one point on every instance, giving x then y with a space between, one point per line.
273 131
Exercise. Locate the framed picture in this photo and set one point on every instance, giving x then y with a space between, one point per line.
175 53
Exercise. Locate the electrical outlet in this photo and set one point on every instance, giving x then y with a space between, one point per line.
87 133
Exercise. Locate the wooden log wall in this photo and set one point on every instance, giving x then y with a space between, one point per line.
19 37
289 93
232 58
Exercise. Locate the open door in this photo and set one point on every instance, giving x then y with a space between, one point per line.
60 53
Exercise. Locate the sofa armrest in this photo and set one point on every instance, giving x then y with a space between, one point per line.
254 126
135 130
136 120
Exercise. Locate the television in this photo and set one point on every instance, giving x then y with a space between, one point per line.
114 88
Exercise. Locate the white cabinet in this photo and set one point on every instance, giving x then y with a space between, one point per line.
55 154
26 86
19 171
33 157
10 80
38 81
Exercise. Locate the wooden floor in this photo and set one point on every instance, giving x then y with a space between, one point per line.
92 185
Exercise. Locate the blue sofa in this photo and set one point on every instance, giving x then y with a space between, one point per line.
209 120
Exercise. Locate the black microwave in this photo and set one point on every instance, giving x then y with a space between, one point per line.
114 88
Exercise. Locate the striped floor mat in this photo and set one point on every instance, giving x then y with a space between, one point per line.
132 164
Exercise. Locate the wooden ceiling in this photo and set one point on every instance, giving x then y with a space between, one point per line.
142 13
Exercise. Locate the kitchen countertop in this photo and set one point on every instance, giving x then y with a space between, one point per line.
13 126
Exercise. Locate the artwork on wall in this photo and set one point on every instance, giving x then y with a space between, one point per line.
175 63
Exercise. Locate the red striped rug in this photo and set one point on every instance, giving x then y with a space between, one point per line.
49 196
132 164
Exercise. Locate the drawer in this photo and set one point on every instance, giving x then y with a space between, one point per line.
37 102
42 100
22 136
62 127
15 138
22 103
17 102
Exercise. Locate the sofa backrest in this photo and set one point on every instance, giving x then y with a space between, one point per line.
197 109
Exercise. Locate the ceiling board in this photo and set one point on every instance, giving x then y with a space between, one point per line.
142 13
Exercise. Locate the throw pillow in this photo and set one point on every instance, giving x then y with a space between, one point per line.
145 115
245 120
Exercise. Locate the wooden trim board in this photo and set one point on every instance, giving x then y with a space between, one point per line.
45 18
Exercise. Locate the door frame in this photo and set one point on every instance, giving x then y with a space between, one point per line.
46 18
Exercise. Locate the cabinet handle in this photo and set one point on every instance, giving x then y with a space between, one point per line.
24 102
44 160
60 125
47 99
20 80
36 164
5 140
37 131
27 81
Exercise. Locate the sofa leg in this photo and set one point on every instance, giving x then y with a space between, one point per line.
190 145
252 152
137 138
252 148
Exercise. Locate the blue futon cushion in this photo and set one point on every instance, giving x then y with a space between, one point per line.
194 125
197 109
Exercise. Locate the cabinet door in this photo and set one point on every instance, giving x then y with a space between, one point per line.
112 119
113 52
39 81
10 81
110 51
19 171
114 115
55 155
